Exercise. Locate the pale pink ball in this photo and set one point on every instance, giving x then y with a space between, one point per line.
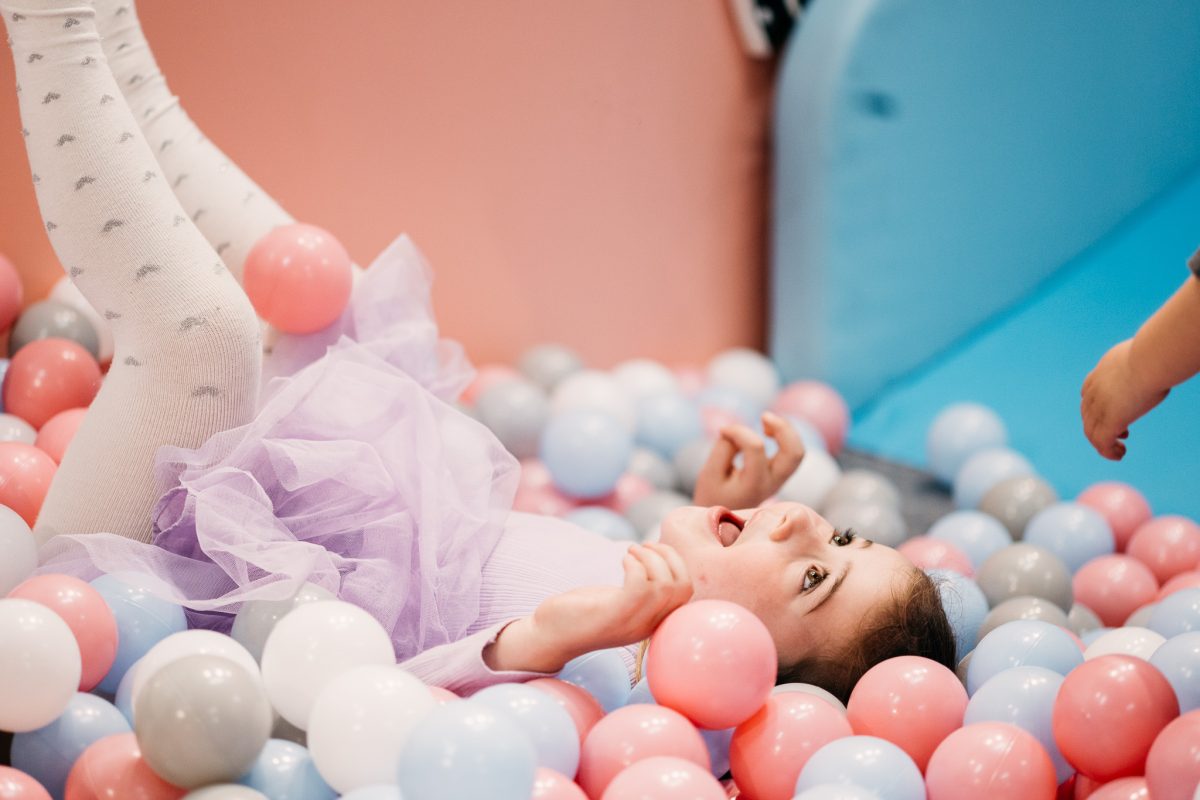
57 433
298 278
1134 788
1168 545
12 296
25 475
664 778
820 404
87 615
16 785
929 553
993 760
1114 587
442 696
1184 580
1122 505
486 377
551 785
633 733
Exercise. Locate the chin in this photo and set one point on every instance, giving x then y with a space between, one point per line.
683 527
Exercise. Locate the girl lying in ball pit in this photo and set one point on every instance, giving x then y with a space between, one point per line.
354 471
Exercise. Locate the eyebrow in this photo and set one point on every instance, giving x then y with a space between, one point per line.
837 584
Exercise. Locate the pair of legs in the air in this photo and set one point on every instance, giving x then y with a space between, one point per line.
153 224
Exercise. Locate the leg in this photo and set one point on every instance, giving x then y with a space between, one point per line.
186 356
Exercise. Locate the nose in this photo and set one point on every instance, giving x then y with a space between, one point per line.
799 521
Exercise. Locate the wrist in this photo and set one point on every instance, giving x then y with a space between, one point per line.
521 646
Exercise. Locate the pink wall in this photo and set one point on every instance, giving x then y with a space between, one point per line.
586 172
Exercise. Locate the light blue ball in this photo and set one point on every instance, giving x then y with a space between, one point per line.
1178 658
977 534
985 469
666 422
603 674
379 792
143 620
1022 696
603 521
812 438
123 699
48 753
837 791
286 770
549 727
1178 612
965 605
867 761
958 432
641 695
1073 532
466 750
585 452
1022 643
745 408
717 742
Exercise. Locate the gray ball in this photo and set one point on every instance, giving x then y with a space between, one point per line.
963 666
1015 501
52 319
257 618
1082 619
202 719
1016 608
1025 569
547 364
647 512
516 411
225 791
875 521
689 460
646 463
862 486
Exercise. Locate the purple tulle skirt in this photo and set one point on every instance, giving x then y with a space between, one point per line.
357 474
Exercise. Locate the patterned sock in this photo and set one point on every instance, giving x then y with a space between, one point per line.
186 356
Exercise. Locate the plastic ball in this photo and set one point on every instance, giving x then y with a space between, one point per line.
516 412
978 535
143 620
12 294
746 370
863 486
713 661
816 691
56 435
1016 608
40 670
875 521
65 291
586 452
595 391
965 607
298 278
52 319
1173 764
47 753
653 468
361 721
837 791
689 461
382 792
867 761
602 674
648 512
551 785
16 785
1025 569
584 709
1168 545
86 614
18 550
15 429
717 743
608 524
1014 501
770 748
1184 580
1082 619
546 365
1120 789
1178 659
958 432
666 422
724 405
664 778
631 734
819 404
812 482
49 376
548 726
485 378
225 791
1022 643
188 643
928 553
257 618
991 759
984 470
1126 640
1072 531
466 750
1176 614
113 767
1114 586
1024 697
1123 506
25 476
311 646
286 769
1107 714
641 378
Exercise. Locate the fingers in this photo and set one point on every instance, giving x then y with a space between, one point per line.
791 446
720 461
666 585
752 447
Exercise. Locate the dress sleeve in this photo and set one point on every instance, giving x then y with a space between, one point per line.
459 666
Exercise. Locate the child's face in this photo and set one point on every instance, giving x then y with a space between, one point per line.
791 568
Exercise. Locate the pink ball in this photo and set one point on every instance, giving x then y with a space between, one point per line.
1167 545
12 297
113 767
1122 505
631 734
993 760
48 376
545 500
713 661
819 404
16 785
57 433
1114 587
664 778
86 614
1173 765
486 377
928 553
630 488
551 785
584 709
910 701
768 750
1120 789
298 278
1184 580
442 696
25 475
1107 714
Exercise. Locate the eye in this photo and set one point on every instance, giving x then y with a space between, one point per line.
843 538
812 579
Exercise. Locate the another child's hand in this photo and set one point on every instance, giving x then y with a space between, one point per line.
1113 398
722 483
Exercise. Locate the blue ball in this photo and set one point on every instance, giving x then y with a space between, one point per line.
717 742
977 534
1178 612
549 727
603 674
867 761
1022 643
666 422
957 433
985 469
286 769
726 398
839 791
1073 532
466 750
379 792
603 521
48 753
143 620
1022 696
1178 658
585 452
965 605
641 695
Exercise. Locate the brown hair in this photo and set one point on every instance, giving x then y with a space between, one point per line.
914 624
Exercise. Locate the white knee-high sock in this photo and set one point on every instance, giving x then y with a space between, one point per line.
186 361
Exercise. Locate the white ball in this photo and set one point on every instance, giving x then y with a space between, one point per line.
313 645
593 390
15 429
18 550
750 372
641 377
66 292
812 482
1129 641
812 689
361 721
40 665
188 643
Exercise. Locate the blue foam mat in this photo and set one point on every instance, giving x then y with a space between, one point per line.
1029 363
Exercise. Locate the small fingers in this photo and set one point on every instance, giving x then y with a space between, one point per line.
752 447
791 446
657 569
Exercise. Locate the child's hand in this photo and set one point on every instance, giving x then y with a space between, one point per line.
720 483
1113 398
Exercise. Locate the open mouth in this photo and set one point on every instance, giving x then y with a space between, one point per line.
726 525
